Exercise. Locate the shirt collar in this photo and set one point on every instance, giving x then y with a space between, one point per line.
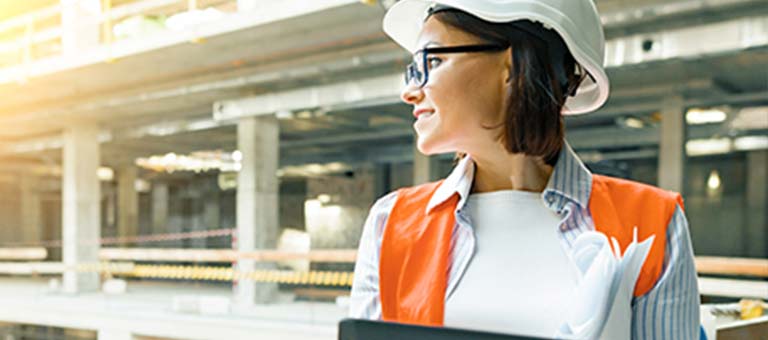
570 180
459 181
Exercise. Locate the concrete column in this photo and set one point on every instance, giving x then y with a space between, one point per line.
159 207
80 206
211 212
127 202
257 201
194 212
757 204
672 144
382 179
423 167
31 226
176 221
109 220
80 25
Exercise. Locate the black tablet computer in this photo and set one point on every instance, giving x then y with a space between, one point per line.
355 329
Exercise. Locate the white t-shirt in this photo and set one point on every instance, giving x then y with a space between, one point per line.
519 277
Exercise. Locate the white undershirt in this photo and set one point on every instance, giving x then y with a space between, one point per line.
519 277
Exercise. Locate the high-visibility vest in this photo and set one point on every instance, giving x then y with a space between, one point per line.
413 267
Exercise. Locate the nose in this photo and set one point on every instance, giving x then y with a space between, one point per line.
411 94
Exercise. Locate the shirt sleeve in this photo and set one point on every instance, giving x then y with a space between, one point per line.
364 300
671 309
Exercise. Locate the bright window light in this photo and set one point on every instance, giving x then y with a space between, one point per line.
203 124
713 182
237 156
750 143
751 118
634 123
705 116
200 161
105 174
324 198
713 146
190 19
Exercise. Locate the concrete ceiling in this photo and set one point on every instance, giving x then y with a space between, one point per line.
180 83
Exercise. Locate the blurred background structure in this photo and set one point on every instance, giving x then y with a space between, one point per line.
199 169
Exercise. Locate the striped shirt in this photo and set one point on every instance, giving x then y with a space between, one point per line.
670 310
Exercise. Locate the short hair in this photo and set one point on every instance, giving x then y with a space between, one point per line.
544 74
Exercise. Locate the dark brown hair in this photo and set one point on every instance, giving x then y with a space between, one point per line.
533 124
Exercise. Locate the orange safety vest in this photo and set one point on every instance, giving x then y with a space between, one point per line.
413 267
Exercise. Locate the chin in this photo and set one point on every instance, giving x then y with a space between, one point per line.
429 148
423 146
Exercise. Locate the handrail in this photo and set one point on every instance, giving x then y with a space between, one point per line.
224 255
732 266
21 20
27 253
704 264
708 265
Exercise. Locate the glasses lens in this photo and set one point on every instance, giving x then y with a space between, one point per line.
413 74
409 73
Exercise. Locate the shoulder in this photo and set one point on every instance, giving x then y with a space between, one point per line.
385 201
636 193
419 191
382 208
629 210
416 193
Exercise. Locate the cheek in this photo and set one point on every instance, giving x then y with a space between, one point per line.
465 100
487 94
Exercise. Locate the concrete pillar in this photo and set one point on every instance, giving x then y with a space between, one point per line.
194 212
159 207
211 212
423 167
401 175
80 206
382 179
257 201
109 220
757 204
127 202
31 226
176 221
80 26
672 144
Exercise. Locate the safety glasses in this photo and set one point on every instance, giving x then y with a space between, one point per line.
418 72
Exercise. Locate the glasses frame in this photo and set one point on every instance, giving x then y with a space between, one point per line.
412 69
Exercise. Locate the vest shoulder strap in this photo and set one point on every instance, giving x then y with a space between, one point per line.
618 206
416 245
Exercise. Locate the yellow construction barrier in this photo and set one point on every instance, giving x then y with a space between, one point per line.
210 273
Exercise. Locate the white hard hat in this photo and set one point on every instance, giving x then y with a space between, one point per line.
576 21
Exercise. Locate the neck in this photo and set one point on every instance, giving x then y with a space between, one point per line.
510 172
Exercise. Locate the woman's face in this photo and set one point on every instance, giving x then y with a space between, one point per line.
465 91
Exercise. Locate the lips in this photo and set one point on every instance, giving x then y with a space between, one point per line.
417 113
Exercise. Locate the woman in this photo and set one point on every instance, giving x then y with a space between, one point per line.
520 237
